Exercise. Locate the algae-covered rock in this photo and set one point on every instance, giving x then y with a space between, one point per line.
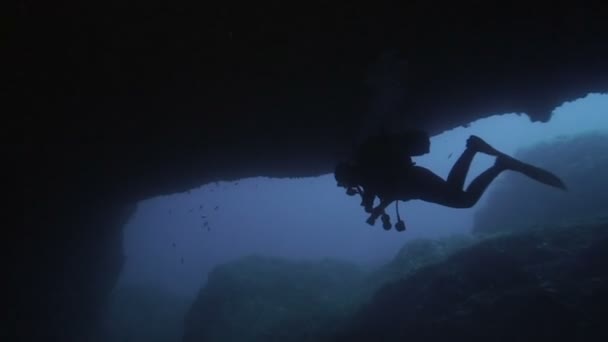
546 284
517 202
270 299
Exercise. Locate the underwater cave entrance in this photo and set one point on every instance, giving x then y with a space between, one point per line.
172 242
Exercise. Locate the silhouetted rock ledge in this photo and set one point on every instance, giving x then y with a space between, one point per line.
548 283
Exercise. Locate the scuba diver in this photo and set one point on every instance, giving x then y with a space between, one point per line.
383 168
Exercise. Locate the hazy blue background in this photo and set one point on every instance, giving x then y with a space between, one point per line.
311 218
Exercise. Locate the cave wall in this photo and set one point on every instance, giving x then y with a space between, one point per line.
68 258
123 100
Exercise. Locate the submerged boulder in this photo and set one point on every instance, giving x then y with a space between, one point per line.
546 284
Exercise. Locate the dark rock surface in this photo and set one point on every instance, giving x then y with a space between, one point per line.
123 100
582 163
544 285
271 299
414 255
74 257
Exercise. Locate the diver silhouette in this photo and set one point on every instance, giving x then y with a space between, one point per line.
383 168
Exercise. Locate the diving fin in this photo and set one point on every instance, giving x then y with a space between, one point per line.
534 172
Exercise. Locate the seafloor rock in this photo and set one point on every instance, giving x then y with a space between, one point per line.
517 202
270 299
548 284
415 254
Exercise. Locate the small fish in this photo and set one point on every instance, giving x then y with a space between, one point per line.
449 155
216 207
173 244
200 207
236 183
203 217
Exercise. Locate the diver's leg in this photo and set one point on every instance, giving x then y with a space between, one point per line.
479 185
423 184
459 171
476 143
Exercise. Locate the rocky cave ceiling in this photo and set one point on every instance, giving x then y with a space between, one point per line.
178 96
